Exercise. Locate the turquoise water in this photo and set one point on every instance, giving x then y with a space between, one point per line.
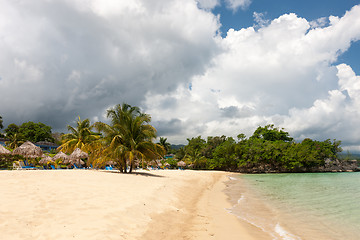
300 206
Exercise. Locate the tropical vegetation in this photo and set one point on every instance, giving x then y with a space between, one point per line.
34 132
129 138
81 137
268 149
127 141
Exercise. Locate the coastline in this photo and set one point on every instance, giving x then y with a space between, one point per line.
90 204
202 214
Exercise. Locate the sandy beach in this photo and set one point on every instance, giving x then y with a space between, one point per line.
90 204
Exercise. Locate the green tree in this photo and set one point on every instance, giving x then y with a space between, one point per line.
224 157
163 142
211 144
36 132
194 152
31 131
271 133
129 137
80 136
1 123
14 140
11 129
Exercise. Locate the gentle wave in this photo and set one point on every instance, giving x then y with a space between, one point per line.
284 234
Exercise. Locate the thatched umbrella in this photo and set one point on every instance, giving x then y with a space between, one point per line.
28 150
181 164
46 159
4 150
77 155
60 155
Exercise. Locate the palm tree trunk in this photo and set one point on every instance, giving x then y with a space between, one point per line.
125 166
131 167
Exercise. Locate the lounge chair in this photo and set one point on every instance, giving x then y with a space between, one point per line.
16 166
53 167
76 167
23 166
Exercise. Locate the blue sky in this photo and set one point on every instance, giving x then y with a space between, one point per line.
308 9
61 59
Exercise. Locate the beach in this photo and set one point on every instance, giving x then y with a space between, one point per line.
92 204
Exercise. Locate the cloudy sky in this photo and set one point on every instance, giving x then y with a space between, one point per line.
199 67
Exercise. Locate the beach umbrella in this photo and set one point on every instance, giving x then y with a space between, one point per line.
46 159
60 155
77 155
4 150
28 150
181 164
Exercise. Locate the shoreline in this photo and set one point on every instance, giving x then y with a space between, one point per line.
90 204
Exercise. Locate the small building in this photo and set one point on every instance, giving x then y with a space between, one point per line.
47 146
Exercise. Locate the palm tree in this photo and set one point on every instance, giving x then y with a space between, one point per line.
129 137
163 142
15 140
80 137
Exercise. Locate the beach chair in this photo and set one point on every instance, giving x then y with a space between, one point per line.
16 166
23 166
53 167
76 167
108 168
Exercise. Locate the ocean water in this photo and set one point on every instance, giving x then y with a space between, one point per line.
299 205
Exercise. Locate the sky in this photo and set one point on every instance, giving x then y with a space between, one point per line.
198 67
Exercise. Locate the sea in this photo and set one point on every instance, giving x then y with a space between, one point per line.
298 205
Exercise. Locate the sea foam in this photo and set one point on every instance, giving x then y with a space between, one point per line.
284 234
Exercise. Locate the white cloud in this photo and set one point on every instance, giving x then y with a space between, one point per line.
236 4
60 59
335 116
260 19
320 22
280 73
148 53
208 4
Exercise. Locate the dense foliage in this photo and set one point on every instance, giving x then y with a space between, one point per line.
268 149
81 137
34 132
128 139
6 160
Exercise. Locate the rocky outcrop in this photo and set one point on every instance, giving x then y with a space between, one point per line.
338 166
329 166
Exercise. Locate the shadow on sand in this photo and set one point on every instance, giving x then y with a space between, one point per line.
145 174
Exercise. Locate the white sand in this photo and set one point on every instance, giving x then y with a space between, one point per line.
90 204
